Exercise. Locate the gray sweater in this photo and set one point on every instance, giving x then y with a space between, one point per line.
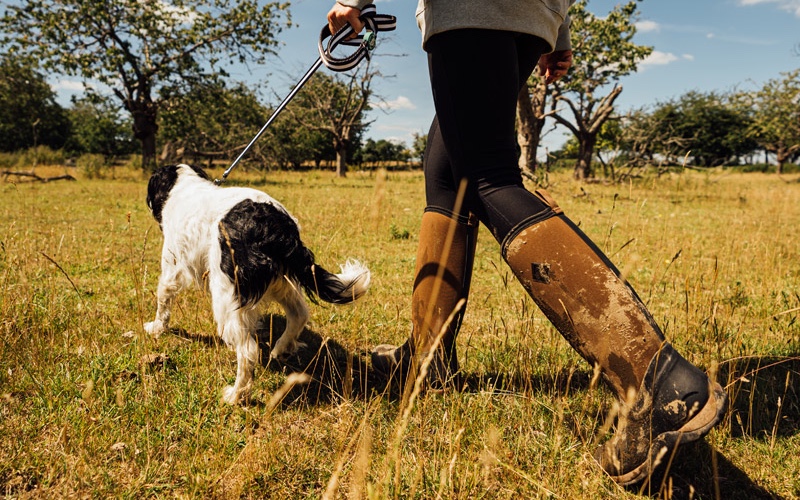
547 19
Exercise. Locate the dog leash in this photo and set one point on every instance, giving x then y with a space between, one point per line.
373 23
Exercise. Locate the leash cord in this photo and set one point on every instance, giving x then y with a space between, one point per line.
373 23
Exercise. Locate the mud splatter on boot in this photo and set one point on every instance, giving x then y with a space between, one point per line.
676 404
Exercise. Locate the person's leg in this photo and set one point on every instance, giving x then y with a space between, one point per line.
448 232
667 401
475 77
445 254
574 284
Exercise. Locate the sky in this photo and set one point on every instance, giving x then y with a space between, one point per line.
701 45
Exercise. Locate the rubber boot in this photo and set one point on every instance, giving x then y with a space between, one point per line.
666 400
442 279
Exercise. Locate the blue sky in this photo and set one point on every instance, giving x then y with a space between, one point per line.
698 45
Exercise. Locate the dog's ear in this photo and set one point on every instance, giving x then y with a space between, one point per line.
161 183
200 172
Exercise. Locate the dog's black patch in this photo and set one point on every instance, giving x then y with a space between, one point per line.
161 183
260 243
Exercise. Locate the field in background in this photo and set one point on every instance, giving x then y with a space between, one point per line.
90 406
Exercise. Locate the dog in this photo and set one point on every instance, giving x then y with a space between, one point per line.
245 247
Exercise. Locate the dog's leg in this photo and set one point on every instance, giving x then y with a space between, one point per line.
169 284
237 328
288 295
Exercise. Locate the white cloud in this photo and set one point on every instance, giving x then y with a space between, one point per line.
687 57
792 6
647 27
67 85
658 58
402 102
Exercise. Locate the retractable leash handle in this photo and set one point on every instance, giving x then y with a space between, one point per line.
373 23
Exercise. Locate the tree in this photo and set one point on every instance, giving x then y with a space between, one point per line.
603 52
641 138
531 104
97 127
135 47
713 130
29 113
420 141
373 152
212 120
336 105
776 117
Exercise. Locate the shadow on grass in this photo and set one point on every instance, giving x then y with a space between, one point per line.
698 470
335 372
764 396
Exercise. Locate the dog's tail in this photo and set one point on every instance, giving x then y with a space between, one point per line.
261 242
350 284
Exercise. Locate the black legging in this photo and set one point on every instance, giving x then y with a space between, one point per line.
476 76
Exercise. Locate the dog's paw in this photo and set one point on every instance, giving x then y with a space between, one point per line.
286 349
154 327
230 395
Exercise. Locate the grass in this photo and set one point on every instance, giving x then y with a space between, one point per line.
90 406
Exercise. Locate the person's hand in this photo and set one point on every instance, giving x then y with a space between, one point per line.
555 65
341 15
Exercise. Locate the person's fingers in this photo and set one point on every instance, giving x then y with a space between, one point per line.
555 65
341 15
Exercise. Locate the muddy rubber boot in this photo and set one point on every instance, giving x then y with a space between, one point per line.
445 256
600 315
676 404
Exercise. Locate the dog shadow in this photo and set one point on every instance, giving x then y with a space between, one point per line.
334 371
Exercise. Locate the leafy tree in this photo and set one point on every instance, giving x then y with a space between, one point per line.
212 121
29 113
382 151
712 129
776 117
335 104
135 47
418 146
603 52
98 128
289 144
641 138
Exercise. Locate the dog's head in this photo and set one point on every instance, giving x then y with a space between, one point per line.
161 183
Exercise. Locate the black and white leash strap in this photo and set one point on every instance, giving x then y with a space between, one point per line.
373 23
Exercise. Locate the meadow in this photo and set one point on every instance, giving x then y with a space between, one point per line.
92 407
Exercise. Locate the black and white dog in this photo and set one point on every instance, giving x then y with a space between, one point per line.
246 248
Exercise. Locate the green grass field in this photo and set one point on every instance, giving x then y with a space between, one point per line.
90 406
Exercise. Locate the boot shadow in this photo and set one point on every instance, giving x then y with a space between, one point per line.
697 471
764 396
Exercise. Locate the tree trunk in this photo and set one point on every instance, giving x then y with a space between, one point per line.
530 121
583 167
145 127
781 156
341 157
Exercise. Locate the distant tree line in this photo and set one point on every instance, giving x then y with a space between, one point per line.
176 93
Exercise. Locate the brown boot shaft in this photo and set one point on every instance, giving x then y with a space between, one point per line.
582 294
443 272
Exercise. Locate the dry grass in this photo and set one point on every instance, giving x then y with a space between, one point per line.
92 407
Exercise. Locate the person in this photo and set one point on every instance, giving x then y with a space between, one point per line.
480 54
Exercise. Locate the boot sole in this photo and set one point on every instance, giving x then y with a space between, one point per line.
693 430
